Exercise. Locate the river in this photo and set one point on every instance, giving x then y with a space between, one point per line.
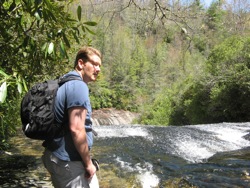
209 155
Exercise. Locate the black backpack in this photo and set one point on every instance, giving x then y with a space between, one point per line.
37 110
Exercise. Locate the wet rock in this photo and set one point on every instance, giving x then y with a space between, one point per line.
247 137
229 155
111 116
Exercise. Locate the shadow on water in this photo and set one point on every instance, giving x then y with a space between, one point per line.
18 171
21 166
199 156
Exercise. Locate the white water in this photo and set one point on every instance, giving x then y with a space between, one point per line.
125 131
189 144
224 137
145 174
193 143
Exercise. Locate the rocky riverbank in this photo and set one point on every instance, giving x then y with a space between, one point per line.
112 116
21 165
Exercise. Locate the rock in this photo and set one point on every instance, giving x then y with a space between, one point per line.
112 116
247 137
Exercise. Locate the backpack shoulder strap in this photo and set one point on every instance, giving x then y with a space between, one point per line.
64 79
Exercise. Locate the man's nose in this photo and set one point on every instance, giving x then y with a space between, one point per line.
97 68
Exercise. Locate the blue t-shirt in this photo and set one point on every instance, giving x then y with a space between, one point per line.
73 93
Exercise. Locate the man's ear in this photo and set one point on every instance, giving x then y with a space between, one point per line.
80 64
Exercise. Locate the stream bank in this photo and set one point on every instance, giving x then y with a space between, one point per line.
21 166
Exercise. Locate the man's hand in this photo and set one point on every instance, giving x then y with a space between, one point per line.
90 171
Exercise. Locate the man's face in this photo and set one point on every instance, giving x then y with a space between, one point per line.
91 68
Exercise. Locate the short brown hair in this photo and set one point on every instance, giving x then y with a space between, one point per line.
85 52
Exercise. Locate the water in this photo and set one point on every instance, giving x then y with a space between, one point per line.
202 156
215 155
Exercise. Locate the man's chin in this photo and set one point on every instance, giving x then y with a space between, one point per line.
94 79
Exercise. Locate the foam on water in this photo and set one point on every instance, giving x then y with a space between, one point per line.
119 131
224 137
192 151
148 179
145 174
229 133
194 143
125 165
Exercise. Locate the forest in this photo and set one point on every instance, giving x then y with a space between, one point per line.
173 62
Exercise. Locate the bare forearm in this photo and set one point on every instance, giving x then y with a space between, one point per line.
81 145
77 128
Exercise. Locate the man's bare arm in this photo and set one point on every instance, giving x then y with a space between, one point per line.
77 116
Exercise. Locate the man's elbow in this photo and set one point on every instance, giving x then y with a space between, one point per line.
76 130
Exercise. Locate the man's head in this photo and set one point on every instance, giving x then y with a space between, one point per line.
88 63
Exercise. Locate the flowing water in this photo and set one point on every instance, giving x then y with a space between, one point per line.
215 155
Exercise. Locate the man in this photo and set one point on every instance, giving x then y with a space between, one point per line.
68 158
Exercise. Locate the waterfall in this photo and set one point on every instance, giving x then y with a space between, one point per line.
154 153
194 143
139 156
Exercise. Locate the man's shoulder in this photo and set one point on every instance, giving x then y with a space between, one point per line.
75 79
76 87
73 74
75 84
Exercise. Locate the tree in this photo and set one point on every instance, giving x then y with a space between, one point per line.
34 39
215 13
221 95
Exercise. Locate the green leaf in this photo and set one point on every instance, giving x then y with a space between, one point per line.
76 38
44 46
51 48
37 16
66 40
19 87
3 73
62 48
51 15
83 28
25 86
76 29
45 16
3 92
89 23
79 12
92 32
70 19
25 54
